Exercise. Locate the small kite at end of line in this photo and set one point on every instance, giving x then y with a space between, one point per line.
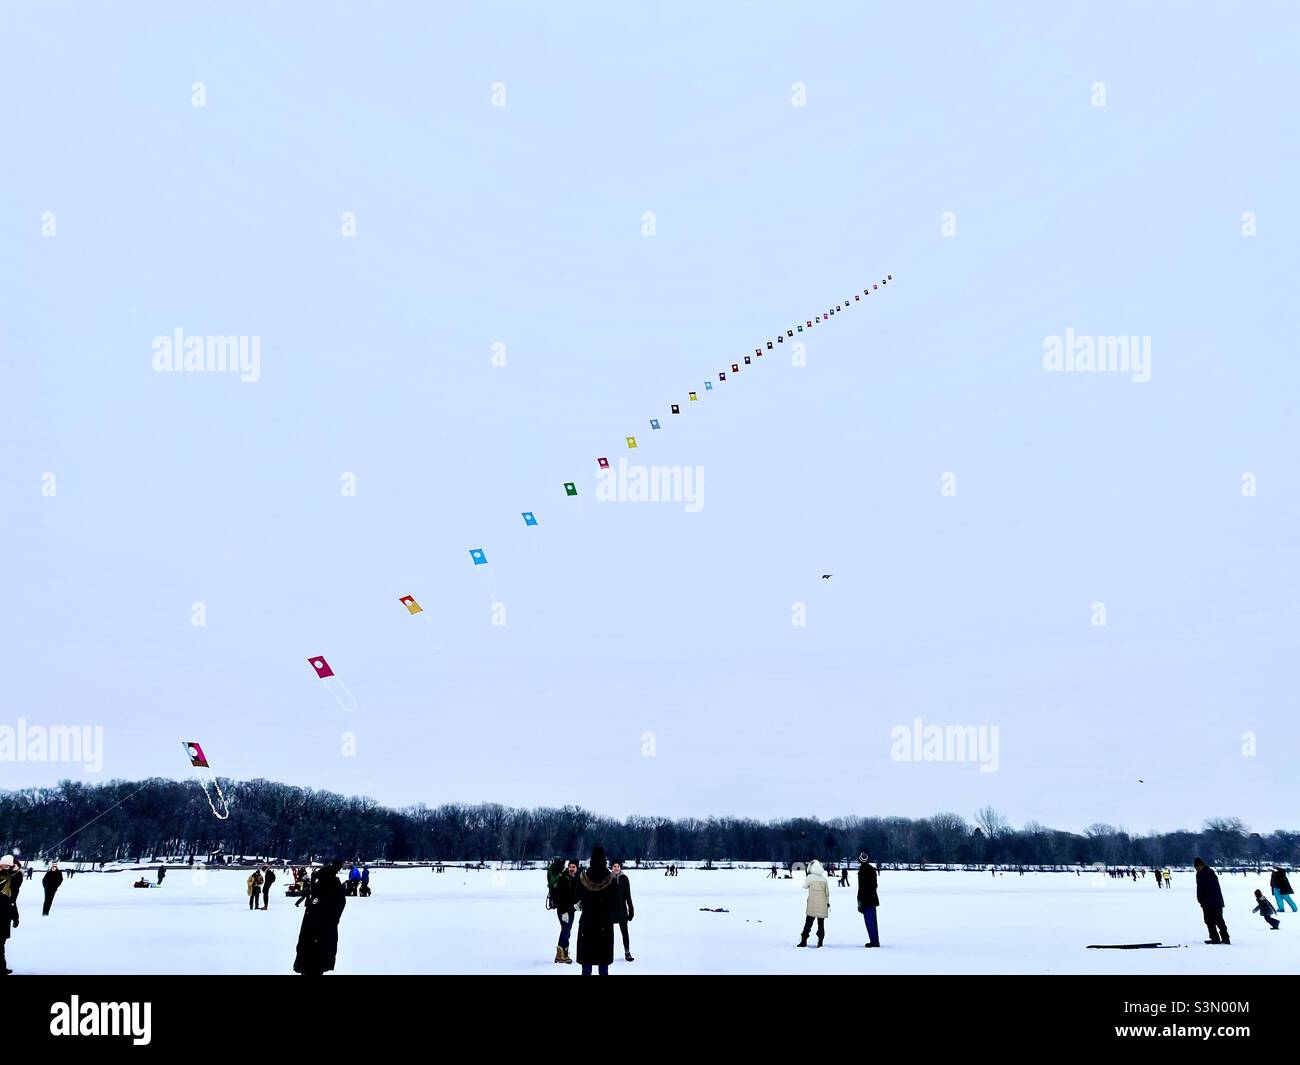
342 695
207 779
431 633
480 559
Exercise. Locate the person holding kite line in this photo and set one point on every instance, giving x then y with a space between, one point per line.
51 882
868 899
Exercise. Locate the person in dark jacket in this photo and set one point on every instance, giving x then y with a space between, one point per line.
868 899
11 882
162 872
51 882
1281 890
596 928
1211 901
268 878
1265 909
318 939
622 911
563 897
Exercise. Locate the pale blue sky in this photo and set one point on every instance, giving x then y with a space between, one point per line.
522 225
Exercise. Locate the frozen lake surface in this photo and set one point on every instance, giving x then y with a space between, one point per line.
491 921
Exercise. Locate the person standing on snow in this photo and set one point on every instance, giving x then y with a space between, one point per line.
51 882
868 899
254 888
268 878
354 879
11 882
1168 879
1281 887
622 911
318 938
563 895
819 902
596 928
1210 898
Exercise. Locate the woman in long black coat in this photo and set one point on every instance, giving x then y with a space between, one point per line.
596 898
318 940
51 882
622 911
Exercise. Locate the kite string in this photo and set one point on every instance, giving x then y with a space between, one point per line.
115 805
203 783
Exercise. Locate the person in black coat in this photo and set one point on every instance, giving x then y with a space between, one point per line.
1281 887
596 928
564 897
868 898
11 882
268 878
1211 900
318 939
51 882
622 910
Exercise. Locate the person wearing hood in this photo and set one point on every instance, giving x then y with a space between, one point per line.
11 881
1265 909
819 902
1210 898
354 879
254 889
868 899
595 894
51 882
623 911
318 938
1281 890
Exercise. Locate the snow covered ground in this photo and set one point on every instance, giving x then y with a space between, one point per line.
492 921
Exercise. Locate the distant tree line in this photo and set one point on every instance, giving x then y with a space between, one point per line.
267 819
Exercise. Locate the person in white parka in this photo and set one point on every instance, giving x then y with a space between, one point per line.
819 901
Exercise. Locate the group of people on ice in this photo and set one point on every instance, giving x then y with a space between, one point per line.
259 886
818 907
1210 898
603 895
